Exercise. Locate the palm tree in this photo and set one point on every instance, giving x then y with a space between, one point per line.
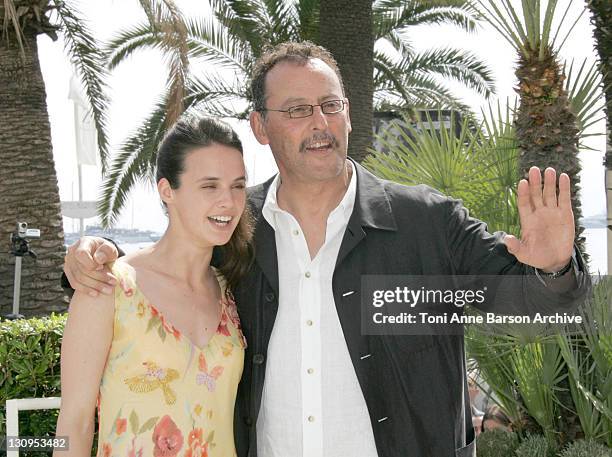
546 127
405 79
233 36
601 18
558 385
346 30
28 182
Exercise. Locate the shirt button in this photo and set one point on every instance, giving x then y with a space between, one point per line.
310 370
296 232
309 322
258 359
269 297
307 274
311 418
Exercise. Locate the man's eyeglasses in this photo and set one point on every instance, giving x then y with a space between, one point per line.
299 111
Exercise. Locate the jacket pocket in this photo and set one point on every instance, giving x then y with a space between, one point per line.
467 451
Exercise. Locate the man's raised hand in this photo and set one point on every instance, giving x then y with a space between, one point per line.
547 222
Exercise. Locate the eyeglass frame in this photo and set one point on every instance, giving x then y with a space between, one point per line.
344 102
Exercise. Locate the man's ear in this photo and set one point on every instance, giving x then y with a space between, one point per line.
348 115
258 127
166 193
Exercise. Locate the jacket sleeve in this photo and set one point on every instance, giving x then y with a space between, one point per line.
476 252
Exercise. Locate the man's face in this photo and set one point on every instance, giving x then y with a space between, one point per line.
311 149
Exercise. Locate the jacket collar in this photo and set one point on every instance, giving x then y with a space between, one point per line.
372 209
372 206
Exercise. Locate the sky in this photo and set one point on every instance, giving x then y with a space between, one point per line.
136 84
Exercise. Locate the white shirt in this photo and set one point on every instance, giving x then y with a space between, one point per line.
312 404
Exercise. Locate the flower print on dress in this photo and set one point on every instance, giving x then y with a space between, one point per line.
158 321
106 450
197 446
206 377
120 426
154 378
167 438
127 290
232 311
230 314
222 329
132 452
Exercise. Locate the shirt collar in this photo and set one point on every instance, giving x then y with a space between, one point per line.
345 206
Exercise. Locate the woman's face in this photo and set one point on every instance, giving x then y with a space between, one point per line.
211 195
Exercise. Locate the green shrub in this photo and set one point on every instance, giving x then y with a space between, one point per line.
495 443
30 367
535 446
586 448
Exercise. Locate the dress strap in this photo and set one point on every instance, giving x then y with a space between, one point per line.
126 282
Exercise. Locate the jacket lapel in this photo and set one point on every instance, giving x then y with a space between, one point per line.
264 238
372 209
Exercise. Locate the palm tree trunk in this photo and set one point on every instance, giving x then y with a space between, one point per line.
546 128
346 30
601 18
28 181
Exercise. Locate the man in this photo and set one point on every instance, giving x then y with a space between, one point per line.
313 385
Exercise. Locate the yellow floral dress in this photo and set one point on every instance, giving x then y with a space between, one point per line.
160 394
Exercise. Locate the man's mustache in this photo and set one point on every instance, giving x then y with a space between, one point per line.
328 137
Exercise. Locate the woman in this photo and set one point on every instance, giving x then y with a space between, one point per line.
163 357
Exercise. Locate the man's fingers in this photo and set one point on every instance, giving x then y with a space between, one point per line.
86 284
565 197
550 187
523 199
93 281
83 255
535 187
513 244
105 253
84 272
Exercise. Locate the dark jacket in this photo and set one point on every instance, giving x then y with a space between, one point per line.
414 386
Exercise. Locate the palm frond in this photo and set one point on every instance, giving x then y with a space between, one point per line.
167 21
420 91
400 43
12 19
390 15
217 97
126 42
85 55
307 16
569 30
282 29
510 29
399 15
584 94
213 43
134 163
238 16
455 64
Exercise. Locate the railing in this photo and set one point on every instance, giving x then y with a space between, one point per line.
25 404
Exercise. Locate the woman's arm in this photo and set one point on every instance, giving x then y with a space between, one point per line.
85 345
